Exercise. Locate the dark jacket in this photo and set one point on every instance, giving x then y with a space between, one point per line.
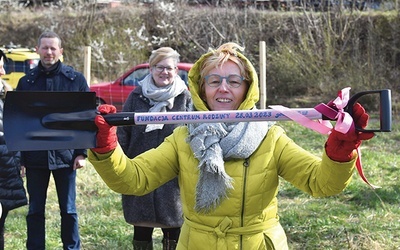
12 191
162 207
59 78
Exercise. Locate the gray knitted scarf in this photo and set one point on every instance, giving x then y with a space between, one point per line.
161 98
212 143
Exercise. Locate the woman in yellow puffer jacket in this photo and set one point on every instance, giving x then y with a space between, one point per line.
228 172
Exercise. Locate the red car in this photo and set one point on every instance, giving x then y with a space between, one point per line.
117 92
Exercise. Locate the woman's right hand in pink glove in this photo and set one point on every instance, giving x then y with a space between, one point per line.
106 138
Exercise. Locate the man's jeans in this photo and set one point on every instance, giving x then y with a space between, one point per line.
37 183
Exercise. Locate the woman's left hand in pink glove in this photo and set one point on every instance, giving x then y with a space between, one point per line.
339 147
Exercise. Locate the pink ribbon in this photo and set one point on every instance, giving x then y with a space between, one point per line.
334 110
321 126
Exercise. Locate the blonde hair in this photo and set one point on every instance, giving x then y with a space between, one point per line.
226 52
161 54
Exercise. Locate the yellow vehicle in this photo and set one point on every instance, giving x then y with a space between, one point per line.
20 61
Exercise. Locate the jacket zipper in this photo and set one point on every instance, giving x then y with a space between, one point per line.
246 164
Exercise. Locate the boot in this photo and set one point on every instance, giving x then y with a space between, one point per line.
142 245
169 244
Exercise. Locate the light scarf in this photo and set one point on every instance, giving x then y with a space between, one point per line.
161 97
212 143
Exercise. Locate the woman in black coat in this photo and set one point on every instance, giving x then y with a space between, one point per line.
160 91
12 191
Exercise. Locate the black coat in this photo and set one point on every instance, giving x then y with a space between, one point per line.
162 207
60 78
12 191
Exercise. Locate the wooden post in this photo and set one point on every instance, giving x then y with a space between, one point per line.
263 81
87 62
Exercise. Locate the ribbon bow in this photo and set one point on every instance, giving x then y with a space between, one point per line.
334 110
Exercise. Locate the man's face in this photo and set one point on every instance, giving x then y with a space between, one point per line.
49 51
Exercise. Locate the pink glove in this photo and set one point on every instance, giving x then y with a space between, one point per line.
106 138
339 147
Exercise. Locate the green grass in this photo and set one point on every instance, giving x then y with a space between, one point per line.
358 218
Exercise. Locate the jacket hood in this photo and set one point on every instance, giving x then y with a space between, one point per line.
252 96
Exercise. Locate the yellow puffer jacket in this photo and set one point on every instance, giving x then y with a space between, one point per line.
248 218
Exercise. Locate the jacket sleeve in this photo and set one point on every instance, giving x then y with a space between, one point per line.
309 173
84 87
140 175
80 152
124 132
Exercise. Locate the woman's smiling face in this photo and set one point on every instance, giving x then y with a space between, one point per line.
225 97
164 72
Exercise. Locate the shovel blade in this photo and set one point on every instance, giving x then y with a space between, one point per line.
23 127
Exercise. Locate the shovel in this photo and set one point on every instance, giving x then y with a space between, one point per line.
65 120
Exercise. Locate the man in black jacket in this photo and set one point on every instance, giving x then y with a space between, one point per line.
52 75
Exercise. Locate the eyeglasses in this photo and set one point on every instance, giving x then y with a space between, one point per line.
160 69
233 81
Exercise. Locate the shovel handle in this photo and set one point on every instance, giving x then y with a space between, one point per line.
131 118
385 109
120 119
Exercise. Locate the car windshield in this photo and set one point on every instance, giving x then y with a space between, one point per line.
136 76
184 75
17 66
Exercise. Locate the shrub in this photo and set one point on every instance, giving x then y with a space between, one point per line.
310 55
